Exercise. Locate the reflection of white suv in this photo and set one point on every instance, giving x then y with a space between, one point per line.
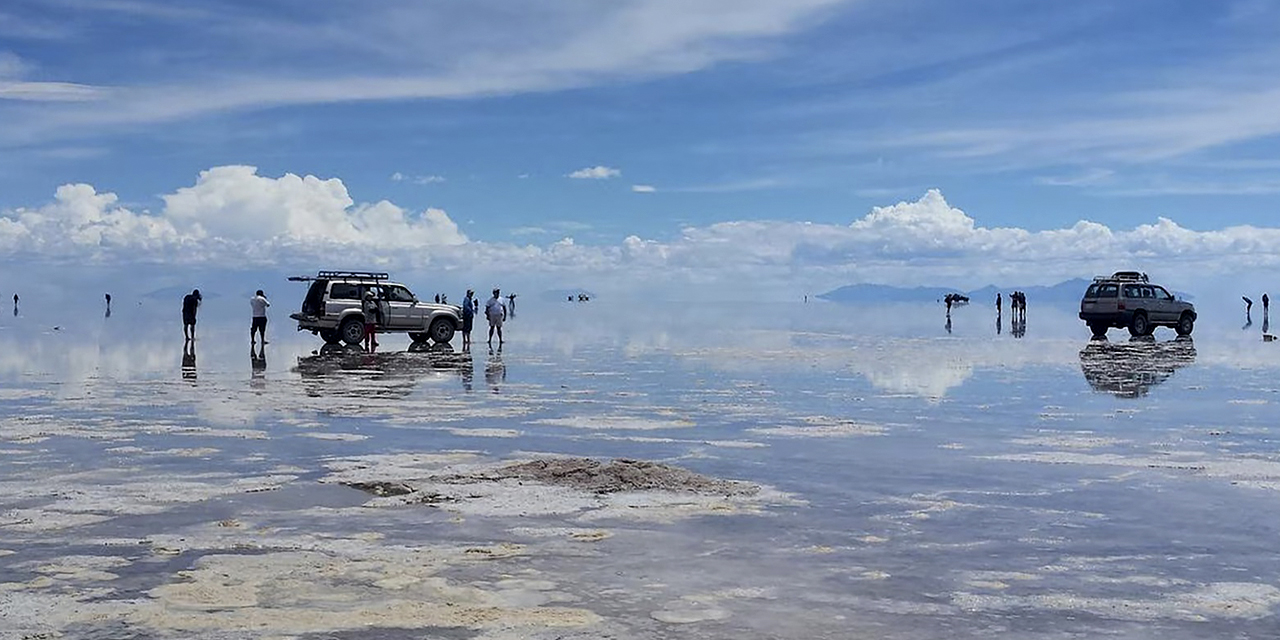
1127 299
333 308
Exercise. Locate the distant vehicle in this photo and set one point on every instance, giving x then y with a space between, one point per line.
1127 299
332 309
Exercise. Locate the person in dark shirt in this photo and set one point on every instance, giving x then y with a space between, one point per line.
468 318
190 303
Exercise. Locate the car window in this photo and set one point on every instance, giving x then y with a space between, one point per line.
1132 291
1148 293
1092 292
1160 292
397 293
344 291
1108 291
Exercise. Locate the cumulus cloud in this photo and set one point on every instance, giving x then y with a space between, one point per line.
598 172
232 216
643 188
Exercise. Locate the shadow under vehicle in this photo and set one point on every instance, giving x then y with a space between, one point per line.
1130 369
382 373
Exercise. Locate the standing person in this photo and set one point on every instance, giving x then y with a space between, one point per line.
190 304
15 304
511 303
468 318
108 302
259 304
372 317
496 312
1266 303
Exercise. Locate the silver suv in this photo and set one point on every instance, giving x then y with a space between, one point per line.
333 310
1128 299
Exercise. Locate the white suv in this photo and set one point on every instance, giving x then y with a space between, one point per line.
1127 299
333 310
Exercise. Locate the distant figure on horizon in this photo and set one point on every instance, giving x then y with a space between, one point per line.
496 312
468 318
444 298
1266 303
15 305
259 304
511 304
190 304
108 296
948 301
437 298
1248 304
999 303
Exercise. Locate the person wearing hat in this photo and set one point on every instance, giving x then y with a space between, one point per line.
468 318
496 312
372 317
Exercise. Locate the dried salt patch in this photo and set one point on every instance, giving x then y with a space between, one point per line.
818 429
486 433
623 423
1069 441
1217 600
572 533
689 616
343 437
1250 402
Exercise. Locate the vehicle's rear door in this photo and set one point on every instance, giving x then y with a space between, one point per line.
1105 302
342 296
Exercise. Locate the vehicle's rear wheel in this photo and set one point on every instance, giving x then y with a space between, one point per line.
352 330
441 330
330 336
1139 325
417 337
1186 324
1099 329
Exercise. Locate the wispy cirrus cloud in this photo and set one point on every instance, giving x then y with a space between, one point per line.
391 51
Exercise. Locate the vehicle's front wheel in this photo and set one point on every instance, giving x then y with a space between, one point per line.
1186 324
1099 329
330 336
352 330
1139 325
441 330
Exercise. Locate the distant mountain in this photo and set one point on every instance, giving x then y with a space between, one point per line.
1064 293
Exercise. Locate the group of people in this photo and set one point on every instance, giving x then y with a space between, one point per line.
495 311
1017 305
1266 313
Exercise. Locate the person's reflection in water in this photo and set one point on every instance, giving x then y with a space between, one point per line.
189 360
999 322
948 323
1018 326
495 372
1248 321
467 371
1266 320
258 364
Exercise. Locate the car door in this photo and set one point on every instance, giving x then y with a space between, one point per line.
405 312
342 296
1164 302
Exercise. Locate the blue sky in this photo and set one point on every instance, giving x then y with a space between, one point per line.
1024 114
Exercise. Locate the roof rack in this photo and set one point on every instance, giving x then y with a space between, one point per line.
342 275
1123 276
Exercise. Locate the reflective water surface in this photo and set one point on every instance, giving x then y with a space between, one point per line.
920 476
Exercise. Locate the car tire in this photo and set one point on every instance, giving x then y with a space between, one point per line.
1139 325
1099 330
441 330
352 330
417 337
1186 324
330 336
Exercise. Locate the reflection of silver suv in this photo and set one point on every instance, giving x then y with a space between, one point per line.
1128 299
332 308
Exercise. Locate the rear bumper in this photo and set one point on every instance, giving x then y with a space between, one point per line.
1114 319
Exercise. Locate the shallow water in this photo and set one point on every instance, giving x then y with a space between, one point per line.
921 481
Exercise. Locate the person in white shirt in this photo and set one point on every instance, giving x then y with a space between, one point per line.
259 304
496 312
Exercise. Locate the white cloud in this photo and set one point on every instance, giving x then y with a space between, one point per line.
391 51
643 188
232 217
598 172
427 179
